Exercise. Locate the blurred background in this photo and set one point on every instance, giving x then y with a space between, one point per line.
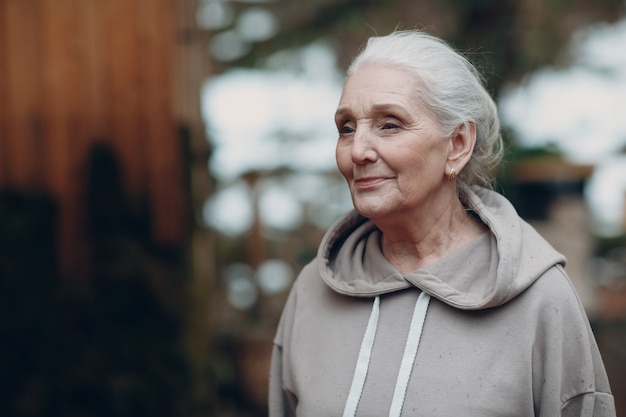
167 167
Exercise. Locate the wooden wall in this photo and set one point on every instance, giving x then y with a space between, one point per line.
77 71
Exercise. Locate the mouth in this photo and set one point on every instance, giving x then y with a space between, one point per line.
367 183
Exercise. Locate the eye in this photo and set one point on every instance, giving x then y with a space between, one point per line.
345 129
389 125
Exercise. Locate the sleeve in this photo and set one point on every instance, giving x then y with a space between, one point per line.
596 399
281 401
596 404
570 378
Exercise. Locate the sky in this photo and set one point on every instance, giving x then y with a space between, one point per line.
282 116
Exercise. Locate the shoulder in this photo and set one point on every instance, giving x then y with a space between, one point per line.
561 325
307 286
555 287
309 277
553 295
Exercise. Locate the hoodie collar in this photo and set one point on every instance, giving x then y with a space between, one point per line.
486 272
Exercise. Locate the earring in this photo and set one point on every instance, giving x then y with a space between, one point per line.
452 175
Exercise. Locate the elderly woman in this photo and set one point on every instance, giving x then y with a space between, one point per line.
432 298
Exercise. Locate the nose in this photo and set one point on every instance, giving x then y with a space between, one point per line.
363 149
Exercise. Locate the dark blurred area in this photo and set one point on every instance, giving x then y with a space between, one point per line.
107 343
114 300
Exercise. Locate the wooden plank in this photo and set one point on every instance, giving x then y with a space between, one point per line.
57 87
22 77
156 31
82 126
123 69
4 98
93 31
55 94
82 84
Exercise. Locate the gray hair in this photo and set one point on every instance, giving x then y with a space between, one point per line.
452 90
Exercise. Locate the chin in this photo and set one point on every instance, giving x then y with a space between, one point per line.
372 211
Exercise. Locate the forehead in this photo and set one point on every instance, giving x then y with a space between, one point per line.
378 87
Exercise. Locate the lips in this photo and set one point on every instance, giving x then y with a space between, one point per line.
369 182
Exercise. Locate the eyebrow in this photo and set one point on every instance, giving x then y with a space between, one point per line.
377 108
341 111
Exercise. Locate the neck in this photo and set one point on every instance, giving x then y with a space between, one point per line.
418 244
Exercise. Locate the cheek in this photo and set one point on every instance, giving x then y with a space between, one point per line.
344 160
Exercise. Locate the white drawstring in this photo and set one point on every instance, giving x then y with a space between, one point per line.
362 363
406 366
410 351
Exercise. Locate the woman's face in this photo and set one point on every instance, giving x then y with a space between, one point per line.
389 149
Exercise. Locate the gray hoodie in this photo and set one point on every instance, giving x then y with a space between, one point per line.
493 329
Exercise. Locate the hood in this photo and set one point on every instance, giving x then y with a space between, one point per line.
487 272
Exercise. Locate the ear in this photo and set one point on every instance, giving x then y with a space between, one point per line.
461 148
